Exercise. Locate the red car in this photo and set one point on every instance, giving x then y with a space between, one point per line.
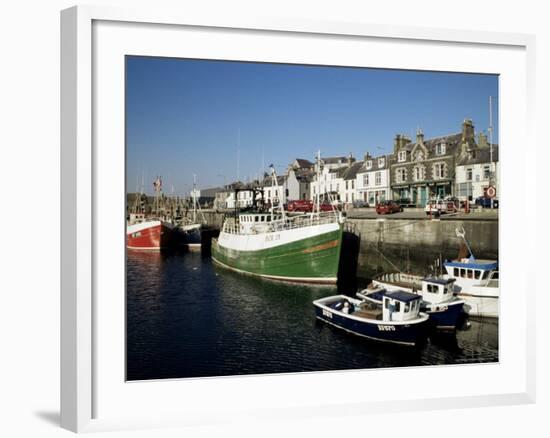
306 206
387 207
300 205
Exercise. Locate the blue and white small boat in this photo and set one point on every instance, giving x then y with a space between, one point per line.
396 319
445 310
476 281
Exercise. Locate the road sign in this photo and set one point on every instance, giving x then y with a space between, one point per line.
490 192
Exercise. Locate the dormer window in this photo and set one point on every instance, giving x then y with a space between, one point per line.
381 162
440 149
369 164
402 156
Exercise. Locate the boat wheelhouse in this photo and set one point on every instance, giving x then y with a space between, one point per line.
476 280
446 311
395 319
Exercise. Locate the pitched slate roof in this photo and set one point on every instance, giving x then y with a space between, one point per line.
482 155
351 172
339 171
451 141
374 163
303 163
334 160
304 175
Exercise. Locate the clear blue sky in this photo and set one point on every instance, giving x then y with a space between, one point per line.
184 116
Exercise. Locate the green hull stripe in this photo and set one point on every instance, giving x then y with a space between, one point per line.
293 261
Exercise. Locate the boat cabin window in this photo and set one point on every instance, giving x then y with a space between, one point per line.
485 275
470 273
406 307
433 288
257 219
495 275
397 306
476 274
463 273
456 272
386 304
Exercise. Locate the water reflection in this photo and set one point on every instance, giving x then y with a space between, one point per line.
189 318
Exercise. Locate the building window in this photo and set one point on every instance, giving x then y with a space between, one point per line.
346 185
402 156
365 180
352 184
369 164
439 171
465 190
419 156
381 162
440 149
486 172
469 174
418 173
401 175
378 178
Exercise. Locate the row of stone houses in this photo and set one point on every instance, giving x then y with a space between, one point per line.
458 164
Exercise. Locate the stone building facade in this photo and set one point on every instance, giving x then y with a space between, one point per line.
425 168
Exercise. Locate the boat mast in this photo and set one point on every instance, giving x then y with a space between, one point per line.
317 204
194 199
275 184
491 175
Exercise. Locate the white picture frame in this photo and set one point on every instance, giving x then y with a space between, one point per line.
84 371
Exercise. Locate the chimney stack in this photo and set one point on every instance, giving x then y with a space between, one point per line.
468 131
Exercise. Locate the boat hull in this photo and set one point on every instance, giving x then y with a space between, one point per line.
311 259
480 305
445 316
192 238
402 334
151 236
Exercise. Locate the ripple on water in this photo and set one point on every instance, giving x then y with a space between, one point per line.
189 318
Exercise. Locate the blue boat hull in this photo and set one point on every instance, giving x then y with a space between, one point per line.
445 316
192 238
407 334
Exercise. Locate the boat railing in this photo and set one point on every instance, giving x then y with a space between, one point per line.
232 227
413 281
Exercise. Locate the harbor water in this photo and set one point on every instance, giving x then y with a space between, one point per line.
187 317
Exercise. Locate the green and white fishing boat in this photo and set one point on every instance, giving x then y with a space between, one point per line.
271 244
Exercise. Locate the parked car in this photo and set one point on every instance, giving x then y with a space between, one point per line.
307 206
360 204
484 202
300 205
387 207
437 207
405 202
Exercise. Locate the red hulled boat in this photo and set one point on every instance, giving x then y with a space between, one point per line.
151 233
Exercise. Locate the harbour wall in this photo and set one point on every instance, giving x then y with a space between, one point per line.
386 244
413 244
